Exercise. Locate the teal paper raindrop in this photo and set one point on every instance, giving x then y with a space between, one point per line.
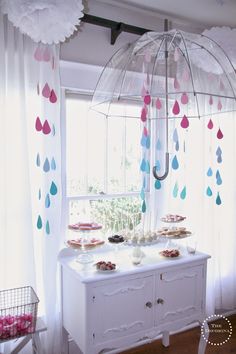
158 144
209 192
53 164
209 172
142 194
219 158
148 142
47 201
143 140
175 164
144 207
183 193
177 146
53 188
143 165
47 228
38 160
39 193
219 180
147 167
39 223
158 165
46 166
175 190
175 136
218 151
218 200
157 184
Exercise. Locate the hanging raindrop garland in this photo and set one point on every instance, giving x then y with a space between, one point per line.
45 128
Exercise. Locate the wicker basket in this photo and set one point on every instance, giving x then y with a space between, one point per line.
18 312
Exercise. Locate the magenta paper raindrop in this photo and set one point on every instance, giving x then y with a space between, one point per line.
184 98
46 91
53 97
46 54
211 101
219 105
46 128
184 122
176 54
176 84
38 125
210 124
144 114
176 108
38 54
145 131
219 134
147 99
158 103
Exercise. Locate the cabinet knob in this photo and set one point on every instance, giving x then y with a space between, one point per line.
160 301
148 304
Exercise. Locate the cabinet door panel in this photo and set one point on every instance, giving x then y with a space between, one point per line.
120 308
179 294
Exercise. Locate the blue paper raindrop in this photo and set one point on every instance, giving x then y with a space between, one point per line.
148 142
218 199
158 165
175 164
147 167
143 140
158 144
177 146
157 184
183 193
46 166
142 194
38 160
47 228
144 207
53 188
39 223
219 158
218 151
219 180
175 136
209 172
144 182
217 174
53 164
47 201
209 192
143 165
175 190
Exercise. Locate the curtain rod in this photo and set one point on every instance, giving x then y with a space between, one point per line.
116 27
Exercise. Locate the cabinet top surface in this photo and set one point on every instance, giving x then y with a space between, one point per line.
122 257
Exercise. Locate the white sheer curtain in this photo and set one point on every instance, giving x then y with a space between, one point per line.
29 186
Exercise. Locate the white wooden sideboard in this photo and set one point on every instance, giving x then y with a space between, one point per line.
110 312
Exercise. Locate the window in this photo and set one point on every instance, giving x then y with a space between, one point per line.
102 166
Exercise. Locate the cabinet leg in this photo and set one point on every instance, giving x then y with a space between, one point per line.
165 338
203 339
65 341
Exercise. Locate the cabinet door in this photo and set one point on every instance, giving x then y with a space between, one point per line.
178 294
122 308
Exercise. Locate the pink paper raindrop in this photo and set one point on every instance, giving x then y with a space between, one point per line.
184 122
211 101
46 54
184 98
46 91
145 131
46 127
144 114
176 84
210 124
38 124
147 99
176 108
38 54
219 105
53 97
219 134
158 103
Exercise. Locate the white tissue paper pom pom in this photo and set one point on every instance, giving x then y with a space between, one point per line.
46 21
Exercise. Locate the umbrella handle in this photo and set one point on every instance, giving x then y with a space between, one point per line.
161 178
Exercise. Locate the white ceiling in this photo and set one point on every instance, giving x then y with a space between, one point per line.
205 12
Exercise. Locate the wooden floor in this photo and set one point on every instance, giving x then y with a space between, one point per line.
187 343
